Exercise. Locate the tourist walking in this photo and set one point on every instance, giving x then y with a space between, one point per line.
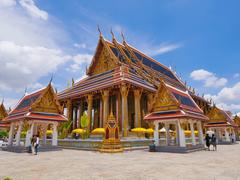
207 139
33 141
214 142
36 144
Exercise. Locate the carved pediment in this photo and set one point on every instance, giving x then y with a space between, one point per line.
237 120
103 62
47 102
215 115
3 112
164 100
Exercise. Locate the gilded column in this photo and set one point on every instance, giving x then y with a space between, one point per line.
89 111
149 102
105 97
137 97
69 110
124 92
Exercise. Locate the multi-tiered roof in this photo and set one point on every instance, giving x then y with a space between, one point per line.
123 64
39 105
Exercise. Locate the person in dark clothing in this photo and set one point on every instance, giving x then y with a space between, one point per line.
214 142
207 139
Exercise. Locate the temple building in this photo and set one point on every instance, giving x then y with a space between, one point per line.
35 113
135 86
222 124
237 122
3 114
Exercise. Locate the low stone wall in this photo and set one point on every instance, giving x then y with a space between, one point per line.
95 144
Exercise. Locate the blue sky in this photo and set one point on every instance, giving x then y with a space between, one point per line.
198 39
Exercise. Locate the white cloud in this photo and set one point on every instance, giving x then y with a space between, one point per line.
79 61
209 79
162 48
236 75
7 3
23 65
228 98
81 45
33 10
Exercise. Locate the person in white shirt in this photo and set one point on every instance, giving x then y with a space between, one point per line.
36 144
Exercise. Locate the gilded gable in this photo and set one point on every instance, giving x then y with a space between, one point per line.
163 100
47 102
3 112
215 115
103 62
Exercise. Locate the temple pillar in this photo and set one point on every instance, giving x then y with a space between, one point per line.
149 101
227 135
192 133
29 135
11 134
18 135
181 134
44 138
55 135
105 98
101 114
137 104
167 133
156 133
200 132
69 109
89 110
124 92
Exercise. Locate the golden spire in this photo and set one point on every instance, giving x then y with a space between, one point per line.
99 30
113 37
123 37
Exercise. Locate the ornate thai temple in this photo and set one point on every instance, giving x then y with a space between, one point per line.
3 114
35 112
223 125
135 86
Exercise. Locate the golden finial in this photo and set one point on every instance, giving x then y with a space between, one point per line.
99 30
113 37
124 41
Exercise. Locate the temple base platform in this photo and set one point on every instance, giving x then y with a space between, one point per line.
22 149
176 149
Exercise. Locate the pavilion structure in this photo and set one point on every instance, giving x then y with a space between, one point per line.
237 122
3 114
124 78
222 124
35 112
175 110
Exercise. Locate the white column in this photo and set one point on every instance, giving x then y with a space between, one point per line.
234 136
167 134
55 135
156 134
29 135
227 135
192 133
18 135
181 135
44 138
200 132
10 136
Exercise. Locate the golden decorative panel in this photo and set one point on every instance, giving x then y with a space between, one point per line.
163 100
3 112
215 115
47 103
104 62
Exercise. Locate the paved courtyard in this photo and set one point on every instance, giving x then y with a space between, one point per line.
140 164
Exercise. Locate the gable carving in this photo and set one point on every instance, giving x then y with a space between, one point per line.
215 115
46 103
3 112
163 100
103 63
